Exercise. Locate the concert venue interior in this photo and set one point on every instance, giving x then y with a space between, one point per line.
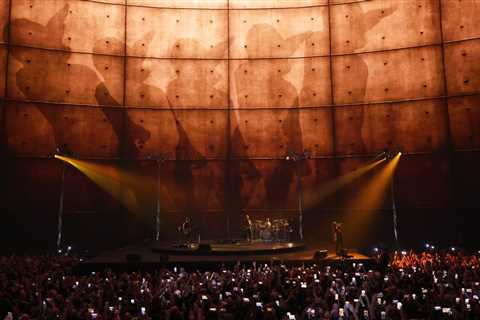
287 145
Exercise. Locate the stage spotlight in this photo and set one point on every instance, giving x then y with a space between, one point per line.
404 253
392 153
62 151
378 156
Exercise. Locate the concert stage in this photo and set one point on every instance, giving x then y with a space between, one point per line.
229 248
151 254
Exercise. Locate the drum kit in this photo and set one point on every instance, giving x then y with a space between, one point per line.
275 230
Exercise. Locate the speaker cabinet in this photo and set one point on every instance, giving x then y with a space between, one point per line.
204 248
133 258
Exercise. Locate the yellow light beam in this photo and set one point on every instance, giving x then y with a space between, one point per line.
370 198
316 196
120 184
376 188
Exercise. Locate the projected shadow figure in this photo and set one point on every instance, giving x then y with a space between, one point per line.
243 175
137 83
194 85
190 89
131 135
52 34
362 22
43 34
272 90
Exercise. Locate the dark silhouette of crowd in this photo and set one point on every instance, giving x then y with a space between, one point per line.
426 285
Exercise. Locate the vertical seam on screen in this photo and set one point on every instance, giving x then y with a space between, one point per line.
450 151
121 140
123 152
125 53
4 100
444 76
332 96
228 162
7 62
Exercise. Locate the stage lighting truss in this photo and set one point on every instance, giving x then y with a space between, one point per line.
63 151
162 157
292 156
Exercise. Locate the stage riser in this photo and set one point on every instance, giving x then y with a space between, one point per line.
228 249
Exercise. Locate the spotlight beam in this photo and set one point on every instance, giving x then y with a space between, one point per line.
372 195
117 183
332 186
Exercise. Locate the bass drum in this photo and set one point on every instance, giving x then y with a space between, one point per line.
266 235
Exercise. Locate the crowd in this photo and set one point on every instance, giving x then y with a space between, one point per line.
427 285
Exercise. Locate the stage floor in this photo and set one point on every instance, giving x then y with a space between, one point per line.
229 248
148 253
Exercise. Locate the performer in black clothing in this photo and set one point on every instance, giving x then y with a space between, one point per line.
338 238
248 228
185 230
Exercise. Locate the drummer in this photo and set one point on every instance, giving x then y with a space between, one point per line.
268 224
